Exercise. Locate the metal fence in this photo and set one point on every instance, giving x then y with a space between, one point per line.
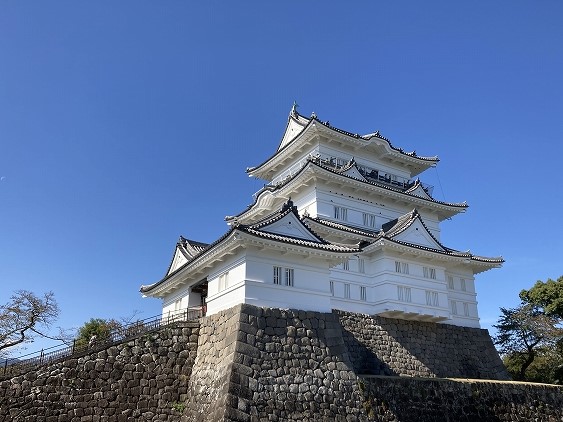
24 363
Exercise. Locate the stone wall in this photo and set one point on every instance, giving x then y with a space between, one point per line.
143 379
270 363
386 346
260 364
429 400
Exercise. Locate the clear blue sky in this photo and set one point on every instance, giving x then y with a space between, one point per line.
125 124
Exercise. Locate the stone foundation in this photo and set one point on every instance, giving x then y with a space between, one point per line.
255 364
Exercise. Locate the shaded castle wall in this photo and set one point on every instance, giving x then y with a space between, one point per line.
429 400
386 346
139 380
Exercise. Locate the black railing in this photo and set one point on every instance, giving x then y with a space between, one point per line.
24 363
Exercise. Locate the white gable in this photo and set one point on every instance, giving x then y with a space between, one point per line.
420 192
353 172
417 234
290 225
178 260
292 130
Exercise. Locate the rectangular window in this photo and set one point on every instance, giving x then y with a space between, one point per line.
361 265
363 293
289 276
332 288
369 220
429 272
401 267
178 304
347 291
450 282
431 298
404 293
346 265
277 275
453 305
463 285
223 281
466 309
341 213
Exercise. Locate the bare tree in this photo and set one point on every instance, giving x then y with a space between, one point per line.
26 316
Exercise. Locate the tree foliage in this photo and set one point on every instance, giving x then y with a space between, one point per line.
547 295
523 332
26 316
98 327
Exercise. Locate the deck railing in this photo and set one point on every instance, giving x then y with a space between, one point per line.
27 362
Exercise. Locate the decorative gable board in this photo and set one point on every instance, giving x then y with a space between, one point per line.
353 172
178 260
417 234
420 192
290 225
292 130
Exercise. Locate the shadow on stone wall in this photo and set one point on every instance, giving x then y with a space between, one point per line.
387 346
429 400
363 359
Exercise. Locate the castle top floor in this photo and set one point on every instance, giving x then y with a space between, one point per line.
310 138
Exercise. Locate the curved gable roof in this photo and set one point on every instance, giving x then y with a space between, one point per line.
293 135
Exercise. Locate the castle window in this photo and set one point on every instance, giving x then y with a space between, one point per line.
223 281
404 293
346 291
369 220
429 272
466 309
363 293
277 275
431 298
332 288
341 213
346 265
401 267
451 283
453 306
361 265
463 285
289 276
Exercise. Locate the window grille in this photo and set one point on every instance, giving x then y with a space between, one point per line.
340 213
466 309
404 293
463 285
432 298
451 282
401 267
332 288
289 276
429 272
347 291
277 275
453 305
361 265
363 293
369 220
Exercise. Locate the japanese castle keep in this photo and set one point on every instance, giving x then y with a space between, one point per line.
330 298
342 223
